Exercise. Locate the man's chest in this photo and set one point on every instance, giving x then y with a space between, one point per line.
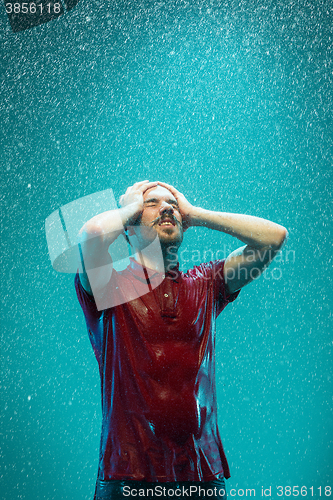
173 311
161 337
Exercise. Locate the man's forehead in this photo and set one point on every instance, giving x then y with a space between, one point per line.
158 192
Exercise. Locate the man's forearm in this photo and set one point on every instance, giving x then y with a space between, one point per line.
107 226
253 231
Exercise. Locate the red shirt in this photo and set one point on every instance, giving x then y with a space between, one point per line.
157 366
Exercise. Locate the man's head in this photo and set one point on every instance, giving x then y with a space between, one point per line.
160 215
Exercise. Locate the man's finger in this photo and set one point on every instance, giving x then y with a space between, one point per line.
148 186
169 187
137 185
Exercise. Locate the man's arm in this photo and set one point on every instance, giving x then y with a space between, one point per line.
98 233
263 239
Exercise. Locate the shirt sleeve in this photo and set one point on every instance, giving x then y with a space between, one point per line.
222 296
93 317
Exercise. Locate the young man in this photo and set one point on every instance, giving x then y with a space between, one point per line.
152 330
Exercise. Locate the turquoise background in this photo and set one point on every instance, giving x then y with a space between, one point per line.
232 104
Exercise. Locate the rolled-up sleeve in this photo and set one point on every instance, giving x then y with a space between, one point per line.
223 297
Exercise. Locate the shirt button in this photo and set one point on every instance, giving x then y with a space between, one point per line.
166 295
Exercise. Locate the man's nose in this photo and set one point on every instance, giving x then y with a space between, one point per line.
166 208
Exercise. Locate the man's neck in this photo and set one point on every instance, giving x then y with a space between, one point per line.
161 263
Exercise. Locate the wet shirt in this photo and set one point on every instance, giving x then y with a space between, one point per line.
156 361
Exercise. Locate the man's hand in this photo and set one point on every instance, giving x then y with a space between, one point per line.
187 210
134 197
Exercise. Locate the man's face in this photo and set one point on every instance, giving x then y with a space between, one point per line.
161 214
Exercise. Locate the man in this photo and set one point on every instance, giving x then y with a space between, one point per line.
152 329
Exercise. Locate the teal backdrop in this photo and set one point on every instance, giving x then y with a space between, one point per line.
231 102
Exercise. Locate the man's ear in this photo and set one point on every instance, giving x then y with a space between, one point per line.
185 226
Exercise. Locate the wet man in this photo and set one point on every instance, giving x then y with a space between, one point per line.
152 329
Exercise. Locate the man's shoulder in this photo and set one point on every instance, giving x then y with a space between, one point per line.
99 300
211 269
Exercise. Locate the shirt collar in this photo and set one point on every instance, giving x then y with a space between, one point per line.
139 270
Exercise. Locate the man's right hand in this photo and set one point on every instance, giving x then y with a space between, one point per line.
134 197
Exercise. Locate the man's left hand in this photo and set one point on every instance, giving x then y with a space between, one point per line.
186 209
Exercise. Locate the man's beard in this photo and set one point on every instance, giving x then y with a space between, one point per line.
145 234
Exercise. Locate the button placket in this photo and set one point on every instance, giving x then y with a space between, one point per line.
168 298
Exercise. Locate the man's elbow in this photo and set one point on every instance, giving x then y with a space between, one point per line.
280 237
90 230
